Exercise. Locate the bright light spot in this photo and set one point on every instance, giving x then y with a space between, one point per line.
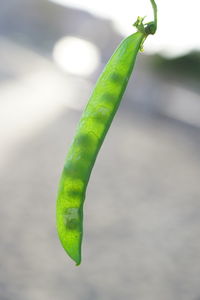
76 56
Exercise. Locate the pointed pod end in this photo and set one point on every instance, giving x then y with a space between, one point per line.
75 255
69 227
78 263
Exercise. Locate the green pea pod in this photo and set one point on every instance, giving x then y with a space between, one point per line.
92 128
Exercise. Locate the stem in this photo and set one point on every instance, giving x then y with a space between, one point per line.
150 27
154 6
147 28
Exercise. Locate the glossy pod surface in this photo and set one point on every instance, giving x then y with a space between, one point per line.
90 133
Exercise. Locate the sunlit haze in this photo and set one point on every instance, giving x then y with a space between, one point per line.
178 21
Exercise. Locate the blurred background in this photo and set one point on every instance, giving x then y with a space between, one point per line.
142 210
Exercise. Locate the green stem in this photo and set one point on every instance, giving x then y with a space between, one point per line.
154 6
150 27
147 28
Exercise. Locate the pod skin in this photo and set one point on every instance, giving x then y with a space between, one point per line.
90 133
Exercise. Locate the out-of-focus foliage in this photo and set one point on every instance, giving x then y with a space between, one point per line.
185 66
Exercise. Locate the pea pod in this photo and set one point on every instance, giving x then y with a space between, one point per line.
90 133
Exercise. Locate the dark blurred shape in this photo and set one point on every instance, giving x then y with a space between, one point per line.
186 66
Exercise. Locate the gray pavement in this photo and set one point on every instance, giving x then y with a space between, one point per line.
142 214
